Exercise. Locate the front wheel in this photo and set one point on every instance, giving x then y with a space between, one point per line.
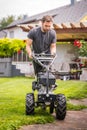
60 106
29 103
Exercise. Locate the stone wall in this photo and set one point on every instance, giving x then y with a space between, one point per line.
5 67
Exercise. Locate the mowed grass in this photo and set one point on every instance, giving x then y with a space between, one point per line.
73 89
12 101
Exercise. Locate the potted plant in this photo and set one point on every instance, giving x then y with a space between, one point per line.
81 46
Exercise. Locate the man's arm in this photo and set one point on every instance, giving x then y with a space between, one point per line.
53 43
53 48
28 47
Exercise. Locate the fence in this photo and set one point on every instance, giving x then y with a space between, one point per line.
20 57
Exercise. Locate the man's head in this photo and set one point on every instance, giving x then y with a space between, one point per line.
46 23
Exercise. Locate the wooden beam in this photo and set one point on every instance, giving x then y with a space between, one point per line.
25 28
72 25
55 26
68 40
30 26
64 26
71 30
82 25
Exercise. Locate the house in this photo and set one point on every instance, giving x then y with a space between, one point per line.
3 34
69 16
70 23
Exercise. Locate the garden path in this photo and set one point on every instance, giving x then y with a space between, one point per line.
75 120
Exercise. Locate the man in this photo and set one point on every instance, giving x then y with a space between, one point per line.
42 39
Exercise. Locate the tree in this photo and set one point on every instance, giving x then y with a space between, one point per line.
4 22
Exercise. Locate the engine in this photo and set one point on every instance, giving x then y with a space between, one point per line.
44 78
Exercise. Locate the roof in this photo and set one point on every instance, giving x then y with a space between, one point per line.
64 14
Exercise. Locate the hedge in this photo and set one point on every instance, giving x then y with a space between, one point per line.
10 46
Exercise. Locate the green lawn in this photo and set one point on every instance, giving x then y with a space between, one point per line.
12 101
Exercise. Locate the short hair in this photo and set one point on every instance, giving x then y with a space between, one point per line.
47 18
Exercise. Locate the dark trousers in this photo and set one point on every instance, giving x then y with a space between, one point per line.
37 68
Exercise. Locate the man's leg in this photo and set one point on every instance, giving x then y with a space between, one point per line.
37 68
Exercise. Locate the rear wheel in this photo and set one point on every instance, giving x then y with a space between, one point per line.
29 103
60 107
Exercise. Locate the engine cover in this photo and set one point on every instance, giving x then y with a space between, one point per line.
43 77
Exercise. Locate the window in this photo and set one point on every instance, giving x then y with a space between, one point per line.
11 34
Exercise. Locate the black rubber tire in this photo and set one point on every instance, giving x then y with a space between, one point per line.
29 104
51 107
60 107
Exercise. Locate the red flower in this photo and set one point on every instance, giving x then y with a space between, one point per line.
81 65
19 51
77 43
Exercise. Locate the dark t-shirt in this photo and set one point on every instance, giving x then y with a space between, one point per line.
42 40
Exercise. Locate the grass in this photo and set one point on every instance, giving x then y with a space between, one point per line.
72 89
12 101
75 107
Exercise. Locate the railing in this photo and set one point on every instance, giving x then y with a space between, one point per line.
20 57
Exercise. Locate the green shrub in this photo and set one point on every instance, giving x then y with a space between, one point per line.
10 46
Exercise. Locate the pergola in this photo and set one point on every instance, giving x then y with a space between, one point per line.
71 31
65 31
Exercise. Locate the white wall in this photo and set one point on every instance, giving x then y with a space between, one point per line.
18 33
65 54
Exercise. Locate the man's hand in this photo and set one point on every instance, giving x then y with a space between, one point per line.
30 56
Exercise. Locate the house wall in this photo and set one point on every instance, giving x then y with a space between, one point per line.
5 67
18 33
65 54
